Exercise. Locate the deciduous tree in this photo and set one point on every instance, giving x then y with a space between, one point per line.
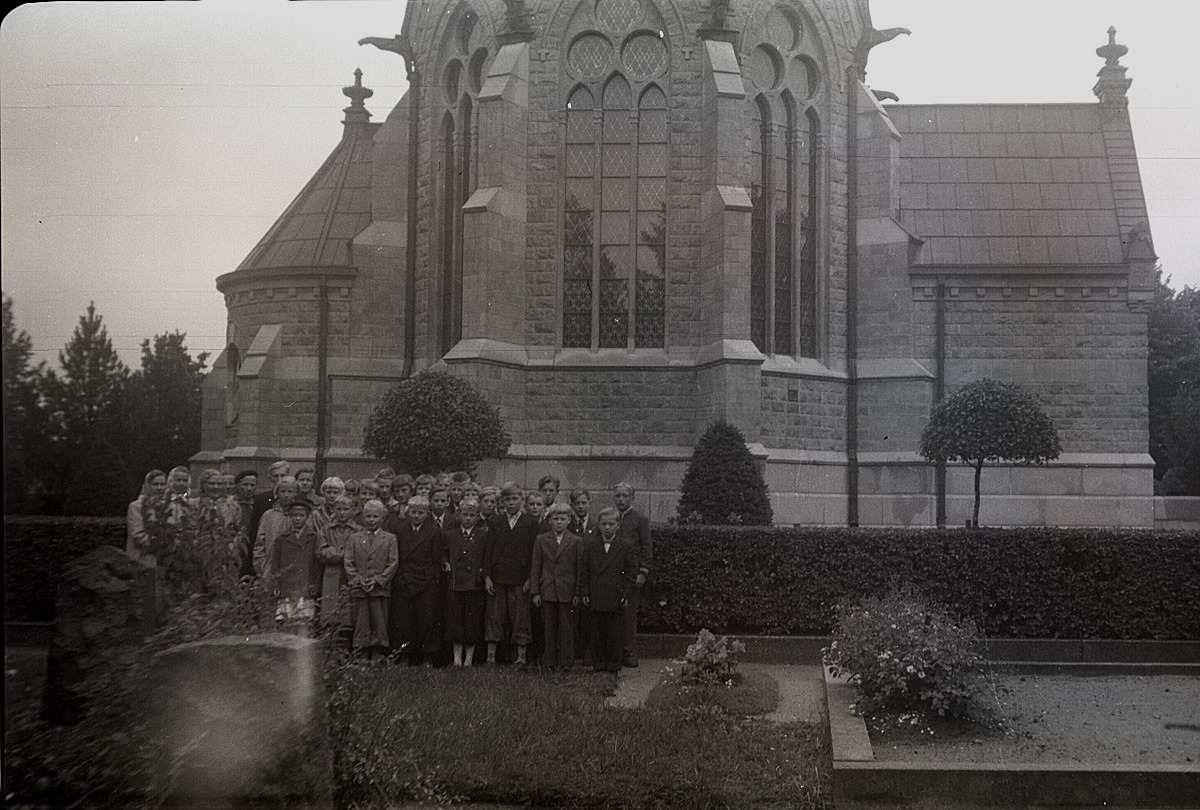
987 420
1173 375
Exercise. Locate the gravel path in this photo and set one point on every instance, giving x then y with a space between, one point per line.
1065 719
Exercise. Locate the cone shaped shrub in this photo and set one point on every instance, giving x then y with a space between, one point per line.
723 484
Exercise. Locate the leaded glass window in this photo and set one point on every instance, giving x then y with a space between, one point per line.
806 147
579 207
783 229
615 222
760 165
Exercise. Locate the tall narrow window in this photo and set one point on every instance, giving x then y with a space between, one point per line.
578 234
807 196
615 213
651 220
616 174
784 186
451 225
465 187
760 171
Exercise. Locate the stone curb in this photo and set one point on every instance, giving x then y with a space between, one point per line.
807 649
861 782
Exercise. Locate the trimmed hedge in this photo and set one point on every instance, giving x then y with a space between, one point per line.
1014 583
35 551
1022 583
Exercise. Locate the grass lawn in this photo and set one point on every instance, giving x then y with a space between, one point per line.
548 739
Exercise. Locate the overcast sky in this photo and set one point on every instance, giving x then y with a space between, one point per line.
147 146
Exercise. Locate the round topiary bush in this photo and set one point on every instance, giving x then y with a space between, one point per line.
432 422
723 484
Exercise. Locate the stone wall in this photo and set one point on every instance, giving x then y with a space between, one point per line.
1081 350
803 413
610 407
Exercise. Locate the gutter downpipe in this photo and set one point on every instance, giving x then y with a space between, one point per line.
939 391
323 388
853 82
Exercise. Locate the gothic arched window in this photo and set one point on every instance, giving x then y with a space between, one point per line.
464 64
784 190
614 211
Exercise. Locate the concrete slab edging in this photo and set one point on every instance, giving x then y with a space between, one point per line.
807 649
859 781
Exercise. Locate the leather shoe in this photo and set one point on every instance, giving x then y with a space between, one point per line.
630 661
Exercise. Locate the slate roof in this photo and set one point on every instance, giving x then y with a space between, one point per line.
335 205
1007 184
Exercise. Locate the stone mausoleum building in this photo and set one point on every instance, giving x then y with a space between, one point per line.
625 219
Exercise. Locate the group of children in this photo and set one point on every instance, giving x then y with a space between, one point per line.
428 561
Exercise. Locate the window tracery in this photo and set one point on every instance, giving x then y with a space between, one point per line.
784 188
464 61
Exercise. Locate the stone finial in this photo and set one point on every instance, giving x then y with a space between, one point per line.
1112 52
1112 84
356 113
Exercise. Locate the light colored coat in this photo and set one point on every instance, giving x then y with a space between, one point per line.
555 574
371 556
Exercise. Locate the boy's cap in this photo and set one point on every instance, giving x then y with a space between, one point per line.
300 504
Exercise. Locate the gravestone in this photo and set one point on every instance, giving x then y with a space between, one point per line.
105 608
242 721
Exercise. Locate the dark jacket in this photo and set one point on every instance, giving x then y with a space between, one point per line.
583 528
294 558
466 557
421 554
607 579
509 551
635 530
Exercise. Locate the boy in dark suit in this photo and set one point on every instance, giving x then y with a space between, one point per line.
582 525
465 544
506 565
634 529
370 561
554 580
610 565
440 509
422 552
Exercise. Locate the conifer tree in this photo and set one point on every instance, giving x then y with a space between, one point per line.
22 415
723 484
87 394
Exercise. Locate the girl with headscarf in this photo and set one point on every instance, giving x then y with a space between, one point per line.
274 522
137 539
331 547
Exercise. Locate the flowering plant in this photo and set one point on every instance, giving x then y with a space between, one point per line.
711 660
904 653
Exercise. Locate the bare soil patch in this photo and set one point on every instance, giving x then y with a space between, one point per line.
1062 719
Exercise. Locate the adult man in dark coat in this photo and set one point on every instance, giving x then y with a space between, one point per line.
421 548
635 530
